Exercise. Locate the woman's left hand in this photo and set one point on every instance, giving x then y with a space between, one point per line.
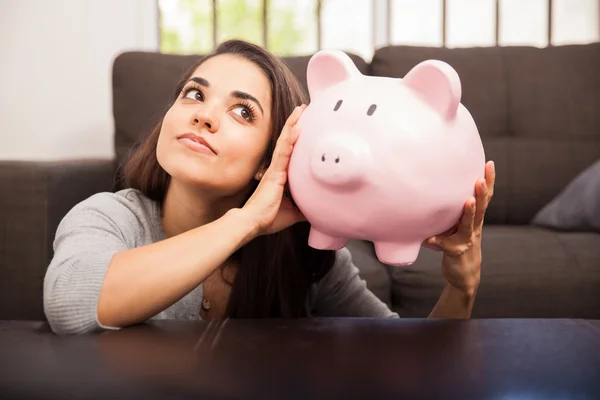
461 263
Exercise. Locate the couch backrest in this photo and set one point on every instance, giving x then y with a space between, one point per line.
538 110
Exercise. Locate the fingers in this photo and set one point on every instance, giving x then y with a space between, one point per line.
433 243
285 144
288 133
484 191
481 196
280 161
452 230
294 133
294 116
288 215
465 226
462 240
490 178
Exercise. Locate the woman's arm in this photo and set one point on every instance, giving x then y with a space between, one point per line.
453 303
97 279
141 282
461 262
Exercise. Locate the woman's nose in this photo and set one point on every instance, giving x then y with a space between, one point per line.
206 119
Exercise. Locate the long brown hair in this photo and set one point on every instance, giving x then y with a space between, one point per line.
275 271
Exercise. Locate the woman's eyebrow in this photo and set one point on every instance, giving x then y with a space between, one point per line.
246 96
200 81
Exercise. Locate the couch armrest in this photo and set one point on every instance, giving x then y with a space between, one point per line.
34 197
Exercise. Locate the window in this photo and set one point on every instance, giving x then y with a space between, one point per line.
348 28
292 27
471 23
523 22
301 27
186 26
575 21
416 22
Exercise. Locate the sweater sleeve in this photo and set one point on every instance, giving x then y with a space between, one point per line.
86 240
343 293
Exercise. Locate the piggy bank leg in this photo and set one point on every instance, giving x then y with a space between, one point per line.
397 255
319 240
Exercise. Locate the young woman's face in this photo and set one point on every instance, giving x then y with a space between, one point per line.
215 134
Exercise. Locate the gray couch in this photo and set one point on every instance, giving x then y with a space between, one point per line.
538 111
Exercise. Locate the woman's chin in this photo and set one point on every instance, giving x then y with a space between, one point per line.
203 176
207 183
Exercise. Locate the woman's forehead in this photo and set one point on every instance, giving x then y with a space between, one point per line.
227 73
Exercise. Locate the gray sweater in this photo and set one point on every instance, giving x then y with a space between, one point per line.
106 223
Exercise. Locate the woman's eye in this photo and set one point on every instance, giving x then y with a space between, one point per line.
243 112
194 94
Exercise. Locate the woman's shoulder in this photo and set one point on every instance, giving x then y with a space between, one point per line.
124 202
125 210
130 199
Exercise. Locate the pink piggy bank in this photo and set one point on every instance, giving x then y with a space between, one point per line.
388 160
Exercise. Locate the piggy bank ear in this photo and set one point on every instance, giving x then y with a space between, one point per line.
439 85
328 67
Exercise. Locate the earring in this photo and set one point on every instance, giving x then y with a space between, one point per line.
259 176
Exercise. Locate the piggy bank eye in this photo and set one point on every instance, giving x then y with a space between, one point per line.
337 105
371 109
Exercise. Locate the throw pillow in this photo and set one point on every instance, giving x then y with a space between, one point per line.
577 207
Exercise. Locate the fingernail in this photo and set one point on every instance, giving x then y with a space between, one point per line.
493 167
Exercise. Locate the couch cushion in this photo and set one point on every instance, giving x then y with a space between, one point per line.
554 92
144 84
527 272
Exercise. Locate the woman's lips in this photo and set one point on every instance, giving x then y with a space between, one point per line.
196 143
195 146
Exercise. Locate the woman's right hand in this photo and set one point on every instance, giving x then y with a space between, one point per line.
268 209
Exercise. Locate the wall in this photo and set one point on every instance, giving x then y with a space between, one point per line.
55 73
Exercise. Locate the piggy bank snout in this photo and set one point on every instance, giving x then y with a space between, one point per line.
338 161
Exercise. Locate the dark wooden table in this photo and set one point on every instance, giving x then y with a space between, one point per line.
293 359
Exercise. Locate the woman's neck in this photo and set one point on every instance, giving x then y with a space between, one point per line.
186 208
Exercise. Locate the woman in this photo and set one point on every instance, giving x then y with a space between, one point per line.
207 230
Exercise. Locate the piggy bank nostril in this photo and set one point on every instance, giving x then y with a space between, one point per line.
323 157
337 159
